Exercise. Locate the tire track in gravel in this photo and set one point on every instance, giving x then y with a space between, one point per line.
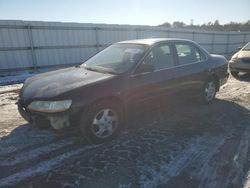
126 150
226 167
204 167
223 165
24 138
236 173
215 171
10 146
35 153
197 148
165 148
44 166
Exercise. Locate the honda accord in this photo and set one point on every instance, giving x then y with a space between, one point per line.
98 94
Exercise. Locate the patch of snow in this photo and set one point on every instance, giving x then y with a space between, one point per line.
7 80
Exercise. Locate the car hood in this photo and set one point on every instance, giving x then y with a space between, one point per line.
241 54
244 54
54 83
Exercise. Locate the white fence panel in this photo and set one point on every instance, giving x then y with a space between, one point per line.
107 37
28 45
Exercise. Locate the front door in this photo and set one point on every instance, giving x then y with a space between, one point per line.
146 86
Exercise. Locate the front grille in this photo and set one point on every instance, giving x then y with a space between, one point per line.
245 60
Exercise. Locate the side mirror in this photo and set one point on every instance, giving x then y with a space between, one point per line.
239 48
145 68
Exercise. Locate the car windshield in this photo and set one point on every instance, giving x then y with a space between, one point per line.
247 47
117 58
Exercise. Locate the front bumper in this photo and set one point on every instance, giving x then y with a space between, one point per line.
23 112
56 120
239 67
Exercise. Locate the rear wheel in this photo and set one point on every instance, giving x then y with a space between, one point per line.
209 91
102 123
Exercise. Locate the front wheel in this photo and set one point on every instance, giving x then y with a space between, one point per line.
209 91
102 123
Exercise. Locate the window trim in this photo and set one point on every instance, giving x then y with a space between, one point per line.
175 56
176 66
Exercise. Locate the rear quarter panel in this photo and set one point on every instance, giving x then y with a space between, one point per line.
218 66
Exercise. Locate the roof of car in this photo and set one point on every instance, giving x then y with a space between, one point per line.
151 41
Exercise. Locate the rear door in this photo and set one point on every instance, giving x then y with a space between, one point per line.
192 67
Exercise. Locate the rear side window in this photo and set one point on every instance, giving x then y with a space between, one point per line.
187 53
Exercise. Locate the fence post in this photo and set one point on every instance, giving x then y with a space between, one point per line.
31 42
137 33
97 39
244 39
168 33
212 46
227 44
193 33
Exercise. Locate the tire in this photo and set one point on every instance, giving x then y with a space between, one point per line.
102 123
208 91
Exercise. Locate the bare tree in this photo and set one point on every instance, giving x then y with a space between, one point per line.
212 26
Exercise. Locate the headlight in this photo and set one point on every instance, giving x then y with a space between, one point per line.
233 60
50 106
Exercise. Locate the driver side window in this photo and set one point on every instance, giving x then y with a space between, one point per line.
160 57
149 59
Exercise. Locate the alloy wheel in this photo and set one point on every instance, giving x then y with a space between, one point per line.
210 91
104 123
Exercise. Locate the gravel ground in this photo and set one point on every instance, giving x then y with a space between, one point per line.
184 144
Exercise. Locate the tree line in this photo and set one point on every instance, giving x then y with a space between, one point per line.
211 26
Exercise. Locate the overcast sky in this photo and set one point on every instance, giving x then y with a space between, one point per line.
135 12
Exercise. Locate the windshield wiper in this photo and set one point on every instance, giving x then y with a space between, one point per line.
101 70
90 68
96 70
